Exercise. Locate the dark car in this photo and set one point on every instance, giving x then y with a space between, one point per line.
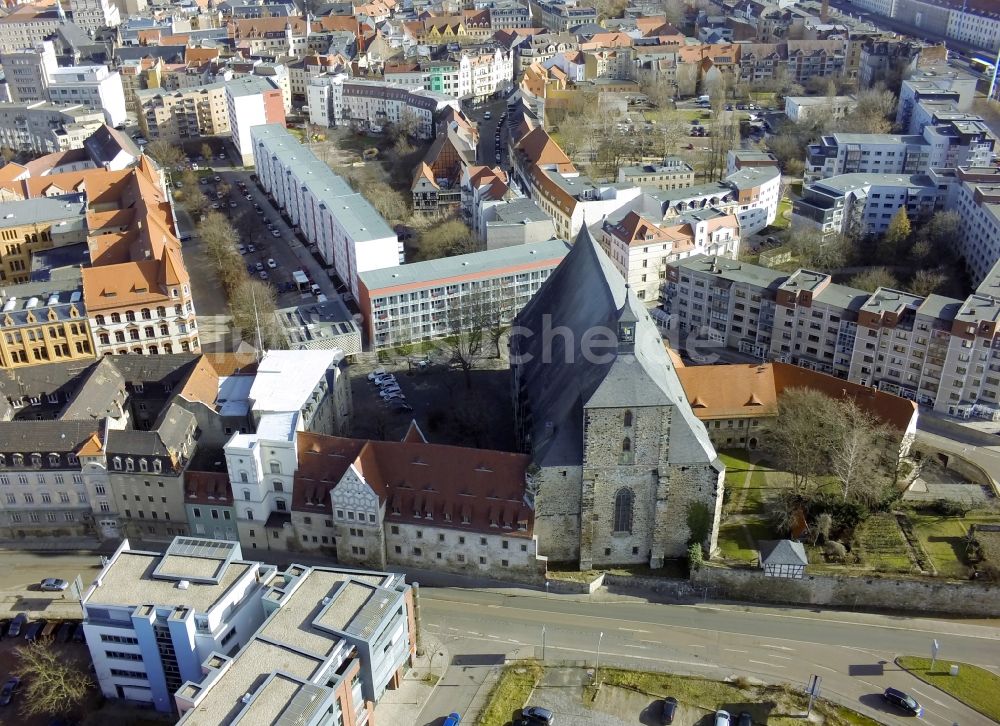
16 625
4 625
65 632
744 719
668 710
903 701
8 690
34 631
537 716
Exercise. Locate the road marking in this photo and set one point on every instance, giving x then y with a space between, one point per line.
473 632
493 637
776 647
628 645
735 650
929 698
781 657
656 659
633 630
826 668
769 665
652 642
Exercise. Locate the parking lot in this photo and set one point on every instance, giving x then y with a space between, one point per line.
447 411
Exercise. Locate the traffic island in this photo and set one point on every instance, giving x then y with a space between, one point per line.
976 687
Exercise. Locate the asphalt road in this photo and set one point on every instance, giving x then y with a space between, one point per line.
488 130
853 653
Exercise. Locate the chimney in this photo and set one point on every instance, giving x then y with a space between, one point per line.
824 11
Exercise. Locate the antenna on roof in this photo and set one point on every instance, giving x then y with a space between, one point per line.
256 318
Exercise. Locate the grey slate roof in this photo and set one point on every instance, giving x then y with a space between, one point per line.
587 294
106 143
45 436
101 391
167 437
783 552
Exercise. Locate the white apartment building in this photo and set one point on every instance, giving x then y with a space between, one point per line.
472 76
975 198
561 15
805 108
336 100
28 24
27 71
252 101
350 234
758 193
641 249
428 300
189 113
864 204
296 391
92 15
974 28
945 144
151 620
93 86
42 127
941 83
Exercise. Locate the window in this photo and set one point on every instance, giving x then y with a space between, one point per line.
279 487
275 467
624 501
627 418
626 456
121 655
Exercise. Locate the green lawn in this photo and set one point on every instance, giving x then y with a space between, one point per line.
758 489
883 546
973 686
943 539
782 219
510 692
738 540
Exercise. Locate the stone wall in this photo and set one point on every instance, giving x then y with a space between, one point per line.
872 593
557 512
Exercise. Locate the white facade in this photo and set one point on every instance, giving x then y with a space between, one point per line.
351 235
93 86
92 15
758 196
43 128
27 72
247 106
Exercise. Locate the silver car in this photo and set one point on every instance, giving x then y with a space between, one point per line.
53 584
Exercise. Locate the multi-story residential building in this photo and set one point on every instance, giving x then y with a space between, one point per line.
506 13
641 249
934 350
336 100
802 60
884 59
94 15
673 173
571 199
539 48
152 619
28 24
43 128
327 663
349 233
757 193
96 87
506 222
975 197
42 489
437 298
975 24
28 226
42 322
189 113
26 71
737 159
252 101
209 503
139 74
562 15
936 83
860 205
946 144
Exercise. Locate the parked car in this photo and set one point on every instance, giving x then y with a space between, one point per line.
34 631
79 636
722 718
16 625
275 233
668 710
9 689
903 701
262 274
53 584
271 263
385 380
400 406
376 373
218 179
390 391
535 715
241 249
259 266
744 719
453 720
488 115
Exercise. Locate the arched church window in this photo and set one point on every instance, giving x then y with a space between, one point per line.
624 502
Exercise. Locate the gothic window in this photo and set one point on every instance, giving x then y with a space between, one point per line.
624 501
627 421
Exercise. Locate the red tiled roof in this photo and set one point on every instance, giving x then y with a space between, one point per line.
207 487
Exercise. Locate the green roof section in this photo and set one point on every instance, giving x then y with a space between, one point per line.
442 269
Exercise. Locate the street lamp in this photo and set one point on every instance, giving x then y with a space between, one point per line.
543 643
546 588
597 667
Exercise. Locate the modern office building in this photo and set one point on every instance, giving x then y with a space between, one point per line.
350 234
434 299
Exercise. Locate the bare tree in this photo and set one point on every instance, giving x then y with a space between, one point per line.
53 684
253 305
464 343
447 240
799 439
858 458
165 154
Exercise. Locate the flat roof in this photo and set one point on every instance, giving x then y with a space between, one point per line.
361 220
249 86
68 208
430 271
128 581
731 270
252 666
285 379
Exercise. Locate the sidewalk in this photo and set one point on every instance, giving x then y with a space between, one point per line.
401 705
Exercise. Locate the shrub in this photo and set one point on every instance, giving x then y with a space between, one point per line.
834 551
950 508
695 556
699 522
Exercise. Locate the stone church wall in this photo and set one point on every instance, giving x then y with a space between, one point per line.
557 513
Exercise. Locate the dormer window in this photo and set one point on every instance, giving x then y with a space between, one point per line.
36 459
143 465
117 463
157 466
130 464
53 459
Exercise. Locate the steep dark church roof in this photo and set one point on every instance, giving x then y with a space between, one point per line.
583 301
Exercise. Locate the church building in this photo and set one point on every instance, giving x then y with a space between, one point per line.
621 466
